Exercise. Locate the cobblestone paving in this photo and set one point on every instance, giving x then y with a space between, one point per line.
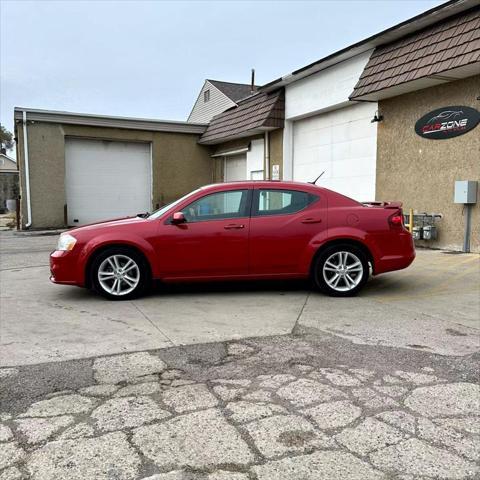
144 420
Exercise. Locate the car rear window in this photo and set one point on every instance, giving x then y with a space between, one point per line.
281 202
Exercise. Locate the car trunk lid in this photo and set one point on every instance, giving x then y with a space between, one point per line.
389 205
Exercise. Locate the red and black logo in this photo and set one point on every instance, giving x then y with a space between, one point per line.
447 122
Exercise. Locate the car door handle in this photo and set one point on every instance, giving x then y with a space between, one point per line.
312 220
233 226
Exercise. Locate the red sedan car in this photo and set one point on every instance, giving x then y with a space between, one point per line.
238 231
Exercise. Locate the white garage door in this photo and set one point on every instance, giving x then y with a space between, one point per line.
235 168
343 144
246 166
105 179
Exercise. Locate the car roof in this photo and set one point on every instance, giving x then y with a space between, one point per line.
335 197
264 183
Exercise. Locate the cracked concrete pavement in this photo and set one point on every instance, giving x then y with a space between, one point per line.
303 406
263 382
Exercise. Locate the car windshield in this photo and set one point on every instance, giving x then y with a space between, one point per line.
158 213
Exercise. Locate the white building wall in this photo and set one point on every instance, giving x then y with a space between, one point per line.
324 90
255 160
202 111
324 131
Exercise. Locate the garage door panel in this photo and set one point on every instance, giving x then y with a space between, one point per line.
311 134
312 157
106 179
307 156
323 136
341 151
314 123
353 149
364 128
346 168
305 173
342 142
357 187
363 147
349 131
341 133
316 136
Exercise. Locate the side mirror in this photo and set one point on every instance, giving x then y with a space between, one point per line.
178 218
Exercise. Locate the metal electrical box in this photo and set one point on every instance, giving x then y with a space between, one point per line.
465 191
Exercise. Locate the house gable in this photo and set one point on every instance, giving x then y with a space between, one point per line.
7 163
209 104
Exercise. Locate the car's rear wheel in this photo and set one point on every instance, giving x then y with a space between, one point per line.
341 270
119 273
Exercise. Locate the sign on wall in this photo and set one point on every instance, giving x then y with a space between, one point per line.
275 172
447 122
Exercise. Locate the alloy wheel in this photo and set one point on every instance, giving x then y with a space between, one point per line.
118 275
342 271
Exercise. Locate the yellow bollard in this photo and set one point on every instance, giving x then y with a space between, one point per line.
410 220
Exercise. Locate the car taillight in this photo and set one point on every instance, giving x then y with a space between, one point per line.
396 220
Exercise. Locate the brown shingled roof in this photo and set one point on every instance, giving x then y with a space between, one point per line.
260 112
234 91
441 47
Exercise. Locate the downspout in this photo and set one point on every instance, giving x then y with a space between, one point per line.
267 156
27 170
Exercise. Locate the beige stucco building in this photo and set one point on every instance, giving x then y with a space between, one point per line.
169 164
423 172
9 188
81 168
427 85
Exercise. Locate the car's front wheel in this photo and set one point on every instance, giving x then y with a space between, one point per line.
341 270
119 273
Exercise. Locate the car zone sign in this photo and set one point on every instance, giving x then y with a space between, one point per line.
447 122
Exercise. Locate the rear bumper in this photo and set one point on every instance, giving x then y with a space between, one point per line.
63 268
400 256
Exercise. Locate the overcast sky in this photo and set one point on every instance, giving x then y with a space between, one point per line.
149 58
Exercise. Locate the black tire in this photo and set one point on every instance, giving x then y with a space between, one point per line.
133 289
347 286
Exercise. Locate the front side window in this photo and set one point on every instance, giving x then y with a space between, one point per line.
218 206
281 202
158 213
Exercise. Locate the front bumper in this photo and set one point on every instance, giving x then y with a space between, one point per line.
63 268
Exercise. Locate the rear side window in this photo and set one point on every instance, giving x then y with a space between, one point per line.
281 202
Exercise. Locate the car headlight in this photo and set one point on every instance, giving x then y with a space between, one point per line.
66 242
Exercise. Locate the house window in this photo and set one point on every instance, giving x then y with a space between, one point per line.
206 95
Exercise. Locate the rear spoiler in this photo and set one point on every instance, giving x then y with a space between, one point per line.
392 205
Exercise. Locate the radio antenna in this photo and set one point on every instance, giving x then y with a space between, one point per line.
315 181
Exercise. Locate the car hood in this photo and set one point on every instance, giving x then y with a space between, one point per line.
107 224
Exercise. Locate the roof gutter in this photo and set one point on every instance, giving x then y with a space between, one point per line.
27 169
52 116
229 153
